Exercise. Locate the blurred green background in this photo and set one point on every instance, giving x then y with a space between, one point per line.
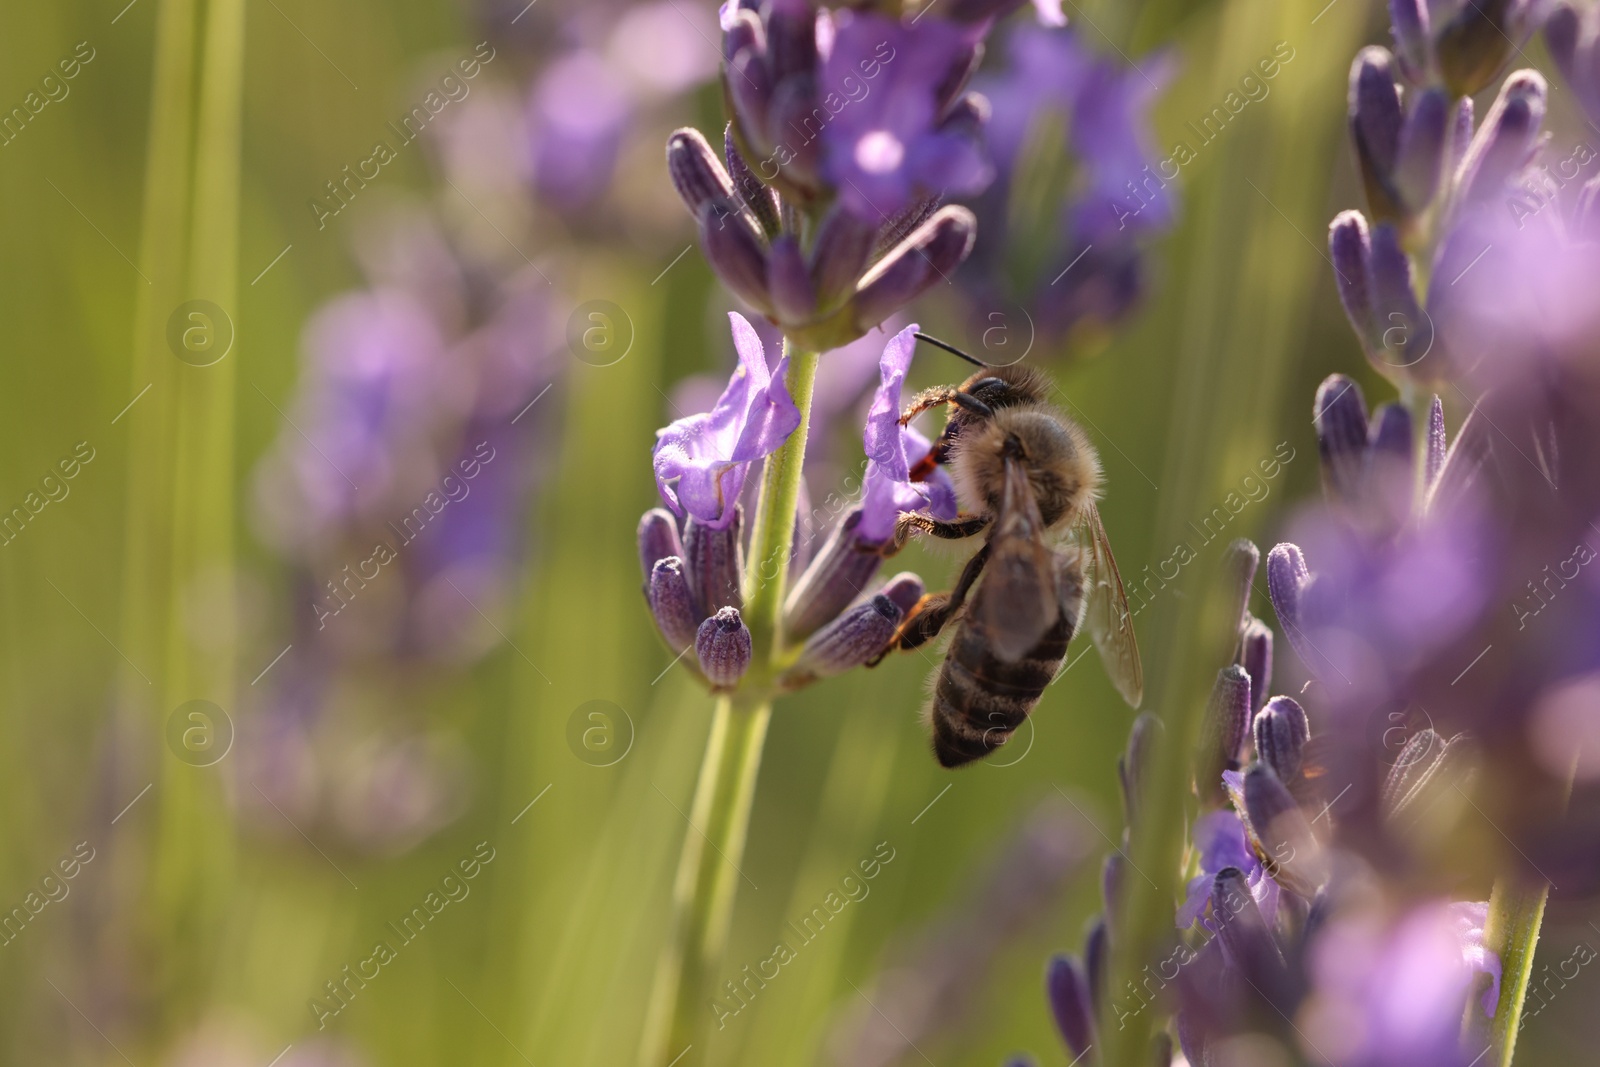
193 936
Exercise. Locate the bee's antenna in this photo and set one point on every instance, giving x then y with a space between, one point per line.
952 349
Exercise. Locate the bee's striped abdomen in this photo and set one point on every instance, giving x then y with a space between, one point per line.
979 698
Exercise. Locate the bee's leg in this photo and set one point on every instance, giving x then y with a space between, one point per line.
930 614
944 394
949 531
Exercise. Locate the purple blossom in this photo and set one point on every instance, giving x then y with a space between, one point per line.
1392 994
1220 838
888 489
701 461
888 145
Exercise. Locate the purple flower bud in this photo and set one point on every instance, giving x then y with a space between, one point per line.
789 281
1507 140
1239 562
1375 121
927 256
695 170
1404 331
1351 251
1561 31
905 590
1288 579
672 603
714 560
1290 850
1421 156
843 248
1410 21
761 200
658 539
1391 465
792 38
848 641
1436 444
1096 957
836 577
1341 424
794 119
1068 991
733 247
723 645
1113 875
1281 733
1473 46
747 78
1133 766
1227 726
1255 656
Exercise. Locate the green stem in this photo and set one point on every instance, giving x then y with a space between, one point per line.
682 1003
1515 915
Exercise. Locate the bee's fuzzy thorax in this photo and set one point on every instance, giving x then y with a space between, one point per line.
1061 462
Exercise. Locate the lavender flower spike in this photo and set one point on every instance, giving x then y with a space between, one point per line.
701 461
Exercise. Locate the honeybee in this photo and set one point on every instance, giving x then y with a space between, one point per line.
1032 477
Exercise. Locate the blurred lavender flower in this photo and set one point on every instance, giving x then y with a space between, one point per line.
1089 268
1460 44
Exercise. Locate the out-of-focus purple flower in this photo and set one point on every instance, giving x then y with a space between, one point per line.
577 114
891 449
701 461
889 144
1392 994
1461 44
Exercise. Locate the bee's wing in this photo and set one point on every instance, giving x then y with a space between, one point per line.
1106 609
1017 601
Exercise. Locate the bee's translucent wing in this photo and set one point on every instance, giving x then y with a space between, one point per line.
1016 600
1106 610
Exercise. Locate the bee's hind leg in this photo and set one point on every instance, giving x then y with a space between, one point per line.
929 615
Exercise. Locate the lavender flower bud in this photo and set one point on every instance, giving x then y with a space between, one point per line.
1096 956
1239 562
1068 991
1113 875
1290 850
1410 21
848 641
733 248
1561 31
1341 425
762 201
1391 463
1375 121
835 578
843 248
1404 331
1134 764
1281 733
892 232
1255 656
715 561
1421 156
789 281
1287 579
1227 726
1507 139
747 78
794 104
672 603
696 172
792 38
1437 444
1350 249
658 539
1473 46
723 646
927 256
905 590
